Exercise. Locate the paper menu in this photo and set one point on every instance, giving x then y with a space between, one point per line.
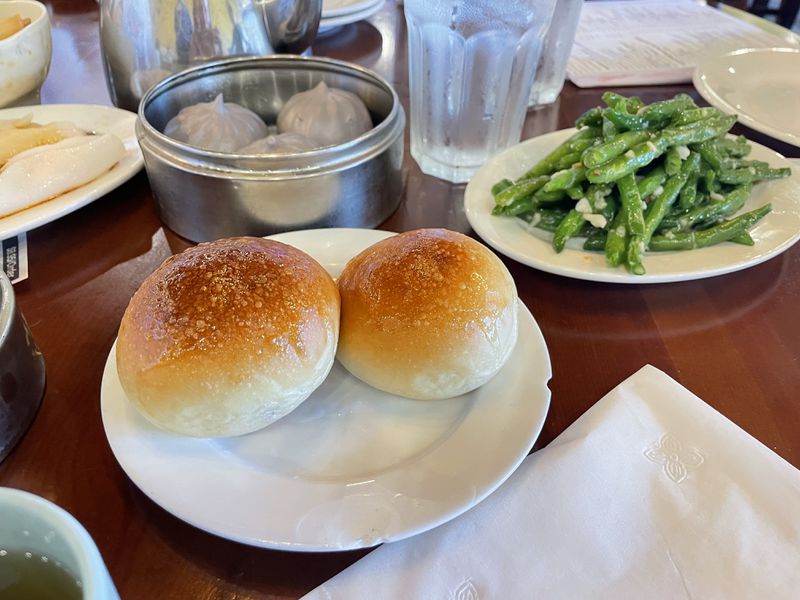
646 42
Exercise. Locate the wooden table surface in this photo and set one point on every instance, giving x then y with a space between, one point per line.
733 340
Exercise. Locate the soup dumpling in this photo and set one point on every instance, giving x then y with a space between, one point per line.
325 114
217 125
283 143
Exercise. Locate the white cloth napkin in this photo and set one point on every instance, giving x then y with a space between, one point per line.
650 494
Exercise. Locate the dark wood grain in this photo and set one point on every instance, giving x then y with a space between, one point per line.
734 340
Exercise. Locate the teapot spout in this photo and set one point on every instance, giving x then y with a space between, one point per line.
291 25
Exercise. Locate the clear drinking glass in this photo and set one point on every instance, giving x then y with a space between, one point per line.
471 68
558 40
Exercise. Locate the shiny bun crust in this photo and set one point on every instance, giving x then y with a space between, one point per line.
426 314
228 336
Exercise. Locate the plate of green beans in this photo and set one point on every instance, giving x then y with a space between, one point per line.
638 193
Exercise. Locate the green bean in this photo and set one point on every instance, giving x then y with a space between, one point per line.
672 160
633 255
524 187
763 171
688 194
739 176
573 156
663 111
561 180
597 155
593 116
582 144
612 99
617 239
658 208
637 157
691 165
596 241
544 219
501 185
576 192
622 112
543 197
652 181
729 163
634 104
596 198
710 154
590 133
694 133
547 164
602 201
632 201
569 227
735 170
621 103
692 115
723 232
625 121
745 239
609 129
708 177
737 148
729 204
567 162
517 207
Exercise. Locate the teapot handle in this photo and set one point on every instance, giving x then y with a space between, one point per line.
291 25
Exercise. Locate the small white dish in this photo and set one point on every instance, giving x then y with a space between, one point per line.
774 234
25 56
761 85
351 467
328 24
98 119
339 8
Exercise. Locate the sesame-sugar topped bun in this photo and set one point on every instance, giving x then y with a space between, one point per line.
228 336
426 314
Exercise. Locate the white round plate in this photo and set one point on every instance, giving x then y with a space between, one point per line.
328 24
351 467
99 119
339 8
774 234
761 85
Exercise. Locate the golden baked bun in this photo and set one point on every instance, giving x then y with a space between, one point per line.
426 314
228 336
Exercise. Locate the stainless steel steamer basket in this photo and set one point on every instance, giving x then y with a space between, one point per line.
204 195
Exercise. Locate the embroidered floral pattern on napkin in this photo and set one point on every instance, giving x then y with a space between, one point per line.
676 459
466 591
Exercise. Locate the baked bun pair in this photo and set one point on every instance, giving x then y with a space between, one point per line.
229 336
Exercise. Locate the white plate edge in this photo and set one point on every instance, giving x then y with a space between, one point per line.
51 210
714 99
544 400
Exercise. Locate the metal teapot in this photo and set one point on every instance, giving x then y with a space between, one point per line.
143 41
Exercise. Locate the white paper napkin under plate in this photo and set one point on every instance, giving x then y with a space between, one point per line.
650 494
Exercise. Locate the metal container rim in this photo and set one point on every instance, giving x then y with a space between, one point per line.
314 159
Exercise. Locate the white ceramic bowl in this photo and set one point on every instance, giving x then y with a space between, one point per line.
25 56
